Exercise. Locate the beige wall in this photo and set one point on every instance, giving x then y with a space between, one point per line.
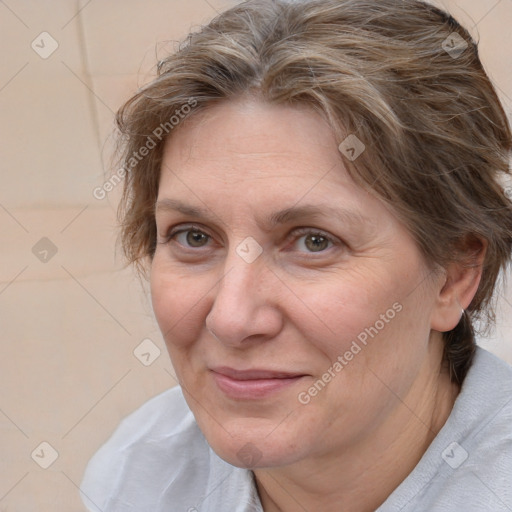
69 325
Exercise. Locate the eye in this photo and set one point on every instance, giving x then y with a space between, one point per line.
189 237
304 240
313 240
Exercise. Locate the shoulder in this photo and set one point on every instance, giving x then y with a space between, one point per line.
165 415
158 460
468 466
486 408
143 455
485 401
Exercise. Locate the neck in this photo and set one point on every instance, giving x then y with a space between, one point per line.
360 478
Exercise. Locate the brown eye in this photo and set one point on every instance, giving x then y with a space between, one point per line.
316 242
196 238
309 241
191 238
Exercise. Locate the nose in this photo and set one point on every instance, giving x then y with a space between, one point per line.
245 304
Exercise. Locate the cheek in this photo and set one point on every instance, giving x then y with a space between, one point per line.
340 311
371 323
177 304
367 341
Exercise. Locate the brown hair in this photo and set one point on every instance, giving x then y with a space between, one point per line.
403 76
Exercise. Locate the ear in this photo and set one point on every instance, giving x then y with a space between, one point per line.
459 285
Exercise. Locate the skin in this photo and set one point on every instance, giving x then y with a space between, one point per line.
297 307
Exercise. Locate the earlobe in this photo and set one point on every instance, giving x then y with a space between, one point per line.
457 289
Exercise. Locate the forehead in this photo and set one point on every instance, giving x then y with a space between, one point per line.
235 142
255 163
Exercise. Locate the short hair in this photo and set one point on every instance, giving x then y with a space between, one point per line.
401 75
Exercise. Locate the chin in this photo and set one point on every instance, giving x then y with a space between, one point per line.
247 454
254 443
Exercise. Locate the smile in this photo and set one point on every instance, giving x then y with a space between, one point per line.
252 384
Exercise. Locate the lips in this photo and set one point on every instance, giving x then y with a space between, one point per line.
252 384
254 374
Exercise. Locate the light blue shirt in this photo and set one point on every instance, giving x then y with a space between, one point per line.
158 460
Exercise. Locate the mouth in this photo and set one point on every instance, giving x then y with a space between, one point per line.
253 384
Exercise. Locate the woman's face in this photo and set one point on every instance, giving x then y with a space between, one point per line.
296 308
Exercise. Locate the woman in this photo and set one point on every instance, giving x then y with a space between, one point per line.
314 188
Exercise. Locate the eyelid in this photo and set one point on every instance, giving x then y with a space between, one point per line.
315 231
186 227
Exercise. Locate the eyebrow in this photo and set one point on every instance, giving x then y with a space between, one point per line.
293 213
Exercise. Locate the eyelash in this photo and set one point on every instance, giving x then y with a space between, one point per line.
298 233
